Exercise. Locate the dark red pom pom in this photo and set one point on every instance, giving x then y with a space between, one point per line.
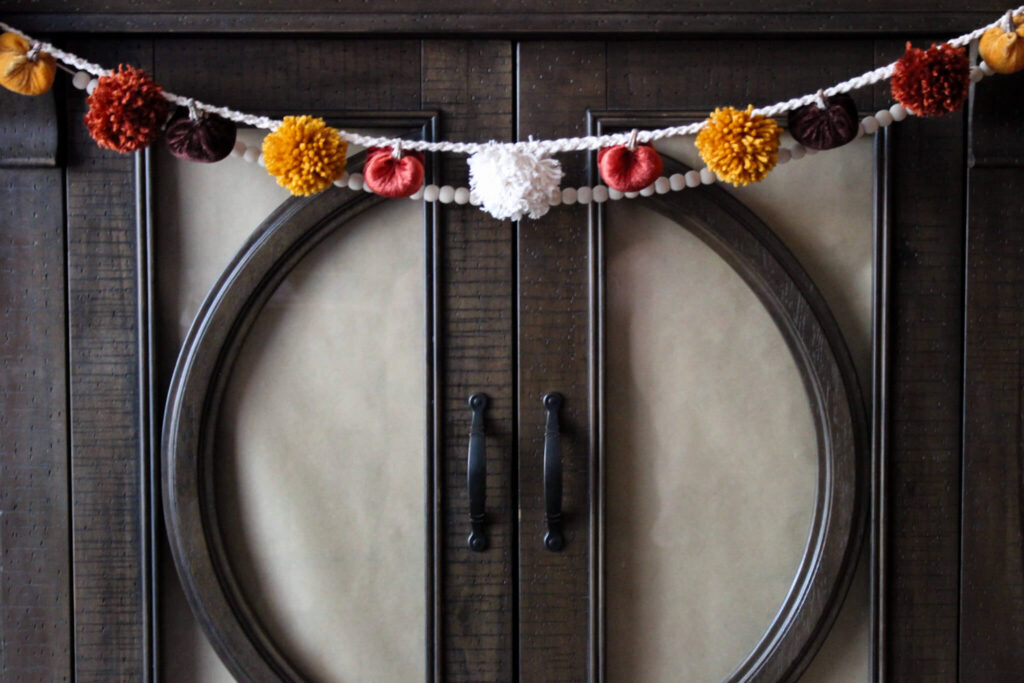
126 110
932 82
629 170
207 138
826 127
391 177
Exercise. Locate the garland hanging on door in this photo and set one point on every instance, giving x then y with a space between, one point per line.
129 111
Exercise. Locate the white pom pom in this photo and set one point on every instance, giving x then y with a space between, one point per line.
512 182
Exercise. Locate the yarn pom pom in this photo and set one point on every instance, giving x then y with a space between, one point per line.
201 137
392 176
629 169
511 182
23 68
1002 46
932 82
827 127
304 154
126 110
740 147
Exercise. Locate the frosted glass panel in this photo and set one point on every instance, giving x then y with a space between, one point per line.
711 455
320 455
319 470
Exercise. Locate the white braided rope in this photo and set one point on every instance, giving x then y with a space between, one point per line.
576 144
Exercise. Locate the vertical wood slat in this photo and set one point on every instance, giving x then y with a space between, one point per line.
470 82
992 568
111 611
35 569
555 355
924 398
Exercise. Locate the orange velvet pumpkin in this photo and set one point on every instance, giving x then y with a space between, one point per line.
23 70
1003 49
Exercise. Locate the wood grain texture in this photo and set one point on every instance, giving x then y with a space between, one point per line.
110 611
28 130
471 84
555 354
522 18
35 562
926 315
992 567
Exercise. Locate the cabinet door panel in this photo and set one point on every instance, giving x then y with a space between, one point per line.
710 455
712 463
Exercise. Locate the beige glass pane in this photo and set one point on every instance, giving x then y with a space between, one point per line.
711 453
319 470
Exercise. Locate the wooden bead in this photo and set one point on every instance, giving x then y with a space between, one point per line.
784 155
251 155
239 149
584 195
93 84
601 194
976 74
614 194
462 196
81 80
884 118
446 194
355 181
677 181
692 179
661 185
647 191
569 195
631 195
898 112
707 177
798 152
430 193
418 194
870 124
556 197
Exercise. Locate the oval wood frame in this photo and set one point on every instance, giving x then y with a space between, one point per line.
736 234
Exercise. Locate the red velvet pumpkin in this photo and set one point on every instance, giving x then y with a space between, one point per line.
393 177
629 170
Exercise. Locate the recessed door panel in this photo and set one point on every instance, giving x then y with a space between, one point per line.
318 457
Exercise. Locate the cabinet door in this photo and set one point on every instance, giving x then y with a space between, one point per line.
317 426
714 441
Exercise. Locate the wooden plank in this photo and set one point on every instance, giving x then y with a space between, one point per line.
28 130
35 564
992 566
555 354
926 317
526 17
471 84
111 569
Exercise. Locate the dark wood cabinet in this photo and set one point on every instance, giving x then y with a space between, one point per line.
113 425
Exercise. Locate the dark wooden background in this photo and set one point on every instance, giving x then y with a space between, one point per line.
77 488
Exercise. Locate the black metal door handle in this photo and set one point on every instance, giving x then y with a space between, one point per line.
553 539
476 474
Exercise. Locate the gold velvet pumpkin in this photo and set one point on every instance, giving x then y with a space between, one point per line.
1003 50
20 70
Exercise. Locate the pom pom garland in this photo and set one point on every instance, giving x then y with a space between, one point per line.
1002 47
24 68
126 110
631 167
740 147
197 137
932 82
304 154
827 125
393 176
511 182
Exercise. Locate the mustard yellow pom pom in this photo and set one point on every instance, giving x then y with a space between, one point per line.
304 154
740 147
